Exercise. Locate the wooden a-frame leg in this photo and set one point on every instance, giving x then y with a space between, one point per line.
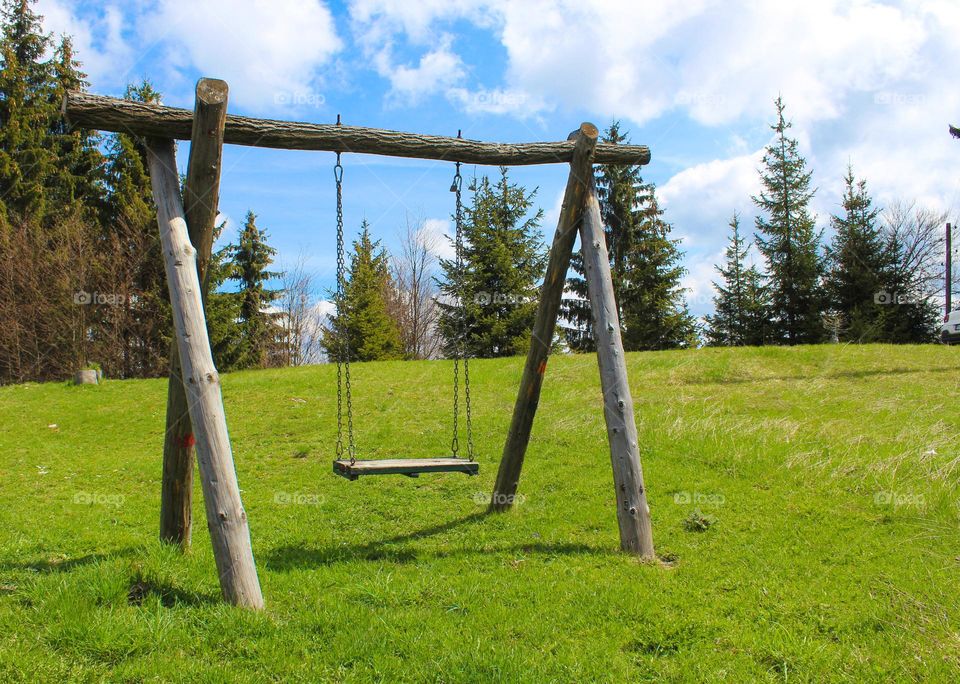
551 292
226 519
633 513
200 201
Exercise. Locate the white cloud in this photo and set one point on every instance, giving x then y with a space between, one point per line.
701 199
436 71
698 281
98 40
496 101
440 233
271 52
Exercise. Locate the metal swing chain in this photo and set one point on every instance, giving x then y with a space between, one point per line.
461 351
343 351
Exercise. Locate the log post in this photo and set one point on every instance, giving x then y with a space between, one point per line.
633 513
226 519
201 196
551 292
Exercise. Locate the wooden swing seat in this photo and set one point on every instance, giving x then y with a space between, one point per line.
411 467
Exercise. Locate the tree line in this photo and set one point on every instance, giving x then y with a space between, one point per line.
876 280
82 280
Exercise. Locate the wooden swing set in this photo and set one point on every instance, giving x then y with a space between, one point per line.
195 414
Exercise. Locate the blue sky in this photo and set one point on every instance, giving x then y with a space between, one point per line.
866 82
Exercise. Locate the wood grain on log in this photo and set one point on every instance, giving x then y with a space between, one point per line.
226 519
201 195
140 118
633 513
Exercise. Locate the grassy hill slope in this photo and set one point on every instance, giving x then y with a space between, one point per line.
827 478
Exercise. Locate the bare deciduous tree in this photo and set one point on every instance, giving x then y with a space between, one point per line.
412 301
917 234
300 317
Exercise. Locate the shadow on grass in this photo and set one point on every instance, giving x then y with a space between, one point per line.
285 558
168 595
832 375
54 565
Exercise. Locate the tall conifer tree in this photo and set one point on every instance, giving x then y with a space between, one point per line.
362 317
645 265
504 260
858 265
788 239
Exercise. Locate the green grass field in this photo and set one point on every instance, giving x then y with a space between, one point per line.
826 479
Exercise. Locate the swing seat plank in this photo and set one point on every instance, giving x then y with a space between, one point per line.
411 467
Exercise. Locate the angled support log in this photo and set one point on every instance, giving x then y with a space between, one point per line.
633 513
551 292
201 196
226 519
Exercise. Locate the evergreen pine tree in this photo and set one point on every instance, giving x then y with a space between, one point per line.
653 307
759 330
222 309
362 317
644 264
78 182
27 157
251 257
858 265
728 325
504 259
788 239
740 314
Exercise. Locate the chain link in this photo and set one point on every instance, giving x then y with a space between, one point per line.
461 346
343 346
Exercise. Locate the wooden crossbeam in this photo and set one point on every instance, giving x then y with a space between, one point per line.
140 118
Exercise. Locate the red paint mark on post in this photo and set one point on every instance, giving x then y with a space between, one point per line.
187 441
543 367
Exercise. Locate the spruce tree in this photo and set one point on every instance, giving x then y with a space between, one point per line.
652 301
251 257
729 325
78 184
644 264
858 265
27 157
759 331
504 260
740 304
222 309
788 239
362 318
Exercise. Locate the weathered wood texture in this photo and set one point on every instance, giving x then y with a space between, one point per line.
551 292
404 466
226 519
633 513
201 197
139 118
